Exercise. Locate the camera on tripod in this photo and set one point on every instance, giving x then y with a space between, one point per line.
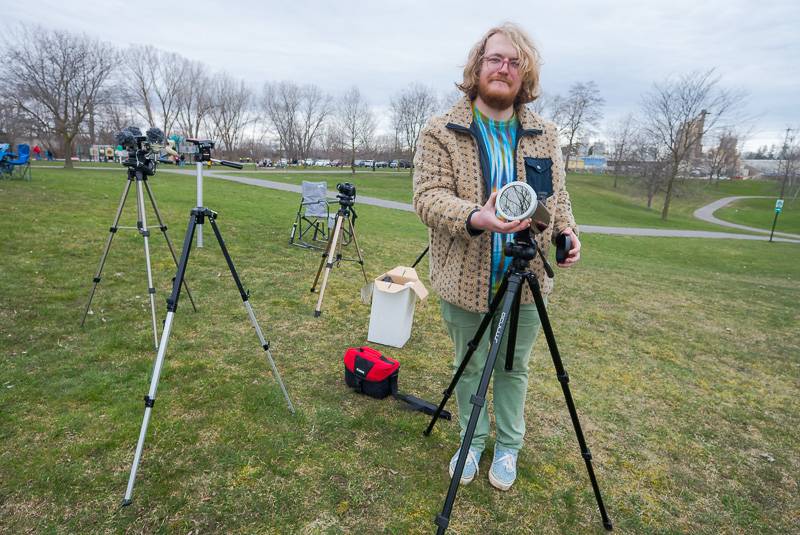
204 148
347 193
203 154
142 149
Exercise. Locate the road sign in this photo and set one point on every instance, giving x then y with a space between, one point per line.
778 205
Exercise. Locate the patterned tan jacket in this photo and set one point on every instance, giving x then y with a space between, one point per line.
450 181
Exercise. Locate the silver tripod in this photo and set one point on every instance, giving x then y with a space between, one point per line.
196 218
139 176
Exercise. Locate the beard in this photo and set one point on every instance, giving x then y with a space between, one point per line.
499 98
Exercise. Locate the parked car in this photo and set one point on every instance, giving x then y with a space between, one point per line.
367 163
404 164
381 164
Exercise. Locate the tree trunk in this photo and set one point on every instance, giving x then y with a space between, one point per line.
668 195
67 152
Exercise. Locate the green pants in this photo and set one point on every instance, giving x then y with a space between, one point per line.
509 388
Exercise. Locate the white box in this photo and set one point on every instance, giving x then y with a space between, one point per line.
393 304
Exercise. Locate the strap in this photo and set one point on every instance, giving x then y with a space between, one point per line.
418 404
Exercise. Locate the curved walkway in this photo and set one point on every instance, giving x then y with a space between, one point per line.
704 213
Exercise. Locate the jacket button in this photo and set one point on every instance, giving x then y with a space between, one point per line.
539 167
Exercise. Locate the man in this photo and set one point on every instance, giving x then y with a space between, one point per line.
486 140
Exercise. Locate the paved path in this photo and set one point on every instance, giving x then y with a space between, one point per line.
704 213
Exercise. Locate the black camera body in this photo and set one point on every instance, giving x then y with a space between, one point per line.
140 153
347 194
204 148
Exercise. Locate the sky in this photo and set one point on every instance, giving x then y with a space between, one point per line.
625 46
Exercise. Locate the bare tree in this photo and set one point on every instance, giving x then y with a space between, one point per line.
577 114
155 80
621 136
55 78
15 124
315 107
170 79
540 105
140 65
297 115
280 102
679 112
789 162
194 101
230 111
448 99
356 123
411 109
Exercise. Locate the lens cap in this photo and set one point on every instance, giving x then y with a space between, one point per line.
563 246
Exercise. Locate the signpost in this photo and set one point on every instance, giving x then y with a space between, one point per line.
778 208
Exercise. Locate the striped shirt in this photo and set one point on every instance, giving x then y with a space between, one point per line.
500 141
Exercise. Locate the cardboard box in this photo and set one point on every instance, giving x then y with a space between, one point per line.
393 304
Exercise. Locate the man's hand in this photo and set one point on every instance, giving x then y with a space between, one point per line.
485 219
575 253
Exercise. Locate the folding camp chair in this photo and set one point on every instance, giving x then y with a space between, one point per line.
23 162
310 228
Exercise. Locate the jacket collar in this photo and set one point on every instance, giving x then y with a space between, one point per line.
460 118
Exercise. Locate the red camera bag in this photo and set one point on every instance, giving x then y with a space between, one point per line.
370 372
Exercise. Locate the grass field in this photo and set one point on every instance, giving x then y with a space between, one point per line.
683 356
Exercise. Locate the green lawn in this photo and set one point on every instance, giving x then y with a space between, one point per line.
683 358
595 201
760 213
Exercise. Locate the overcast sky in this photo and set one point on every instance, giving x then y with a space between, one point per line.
624 46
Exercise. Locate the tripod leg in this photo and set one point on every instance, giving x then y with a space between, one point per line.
563 378
512 333
141 224
111 231
478 400
200 202
358 250
246 300
331 234
150 398
163 228
420 257
337 234
472 345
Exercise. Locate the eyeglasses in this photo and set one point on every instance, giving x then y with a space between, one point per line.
495 63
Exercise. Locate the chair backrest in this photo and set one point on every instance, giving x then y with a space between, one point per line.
314 195
23 154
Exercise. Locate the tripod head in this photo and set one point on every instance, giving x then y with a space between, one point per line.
204 148
524 249
141 155
347 198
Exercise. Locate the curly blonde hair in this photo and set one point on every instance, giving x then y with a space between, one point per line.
529 58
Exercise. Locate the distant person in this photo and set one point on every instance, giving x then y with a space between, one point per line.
488 139
37 152
49 155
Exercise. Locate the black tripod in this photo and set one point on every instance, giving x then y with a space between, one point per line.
522 250
138 172
333 252
196 218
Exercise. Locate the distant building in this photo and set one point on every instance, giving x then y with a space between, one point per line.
588 164
691 135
